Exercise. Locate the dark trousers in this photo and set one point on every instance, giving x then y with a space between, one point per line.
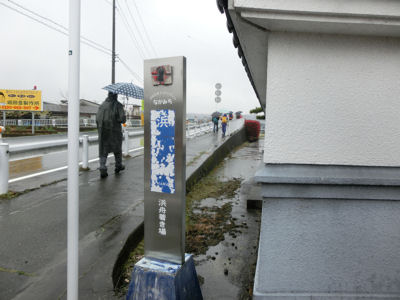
215 127
103 160
223 129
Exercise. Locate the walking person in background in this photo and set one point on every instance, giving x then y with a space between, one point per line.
224 123
110 116
215 121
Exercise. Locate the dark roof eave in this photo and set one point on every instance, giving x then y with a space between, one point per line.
223 8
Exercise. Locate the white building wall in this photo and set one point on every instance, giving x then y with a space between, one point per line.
333 99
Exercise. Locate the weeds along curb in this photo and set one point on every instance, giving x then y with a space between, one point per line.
131 243
236 139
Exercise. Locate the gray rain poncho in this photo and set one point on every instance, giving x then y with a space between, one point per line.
110 116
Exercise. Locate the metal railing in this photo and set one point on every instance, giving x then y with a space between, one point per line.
60 122
192 130
4 168
58 143
86 123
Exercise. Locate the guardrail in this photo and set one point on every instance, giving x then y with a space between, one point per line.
60 122
191 132
83 122
5 149
57 143
198 129
4 166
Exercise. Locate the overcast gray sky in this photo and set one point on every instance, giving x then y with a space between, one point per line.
33 54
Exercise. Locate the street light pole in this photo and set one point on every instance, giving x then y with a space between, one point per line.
73 149
113 46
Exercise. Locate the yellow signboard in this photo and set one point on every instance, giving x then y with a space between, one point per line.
28 100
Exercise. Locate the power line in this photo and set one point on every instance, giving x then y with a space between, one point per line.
144 27
26 15
51 27
137 27
138 77
130 31
55 23
66 34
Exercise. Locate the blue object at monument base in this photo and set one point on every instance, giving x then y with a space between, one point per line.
161 280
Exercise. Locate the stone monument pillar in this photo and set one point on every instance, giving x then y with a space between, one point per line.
166 271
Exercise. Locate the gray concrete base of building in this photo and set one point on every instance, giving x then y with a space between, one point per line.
329 232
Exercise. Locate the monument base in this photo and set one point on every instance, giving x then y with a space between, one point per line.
156 279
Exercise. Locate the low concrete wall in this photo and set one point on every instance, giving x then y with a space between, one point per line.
236 139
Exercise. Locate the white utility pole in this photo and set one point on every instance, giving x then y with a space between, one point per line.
73 149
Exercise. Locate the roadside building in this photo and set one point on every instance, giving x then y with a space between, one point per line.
327 75
133 111
88 109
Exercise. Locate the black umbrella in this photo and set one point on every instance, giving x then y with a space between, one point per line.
216 114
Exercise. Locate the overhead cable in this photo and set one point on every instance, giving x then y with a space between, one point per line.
51 27
138 77
58 24
144 27
108 53
137 28
130 31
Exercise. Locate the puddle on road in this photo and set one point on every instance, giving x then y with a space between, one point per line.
26 165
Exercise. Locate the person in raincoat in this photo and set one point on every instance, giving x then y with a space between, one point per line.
224 122
215 121
110 116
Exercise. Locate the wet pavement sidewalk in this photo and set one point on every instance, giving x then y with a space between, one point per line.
33 228
227 267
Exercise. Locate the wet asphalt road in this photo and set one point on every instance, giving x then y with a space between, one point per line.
33 228
34 161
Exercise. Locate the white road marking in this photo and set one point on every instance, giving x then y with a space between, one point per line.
60 168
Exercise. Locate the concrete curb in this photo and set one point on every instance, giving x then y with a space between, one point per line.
236 139
204 167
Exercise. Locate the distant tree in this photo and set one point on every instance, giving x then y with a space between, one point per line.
256 111
15 114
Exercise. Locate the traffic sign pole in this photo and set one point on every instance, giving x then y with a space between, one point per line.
218 93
